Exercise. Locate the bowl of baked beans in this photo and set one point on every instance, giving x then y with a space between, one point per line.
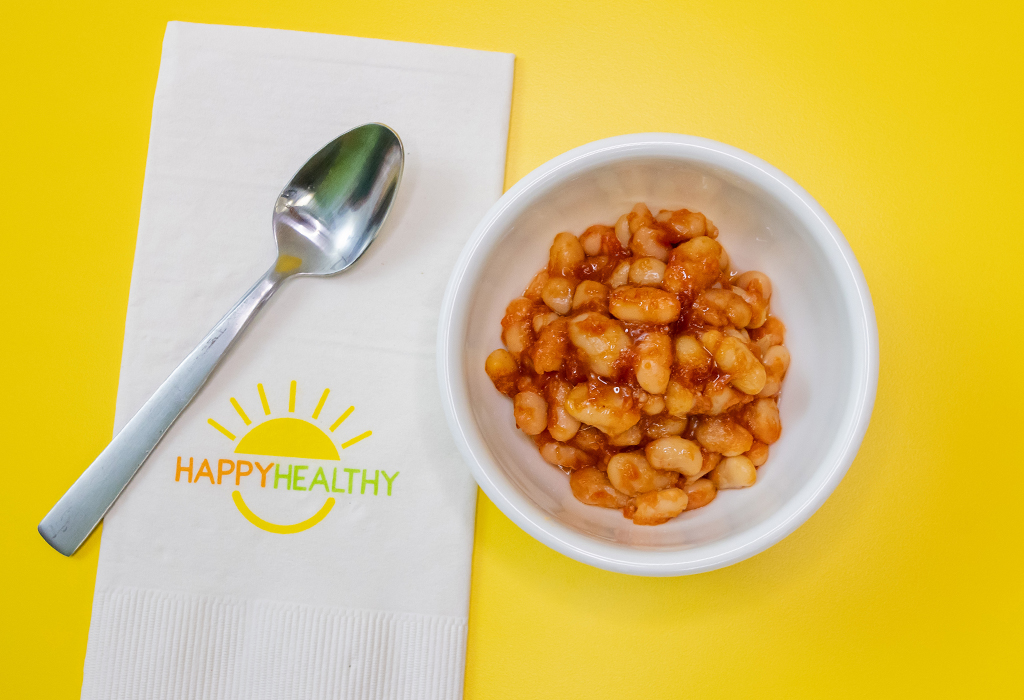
657 354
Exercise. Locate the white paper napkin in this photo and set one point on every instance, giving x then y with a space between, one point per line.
364 594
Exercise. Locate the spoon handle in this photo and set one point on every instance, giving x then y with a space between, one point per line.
79 510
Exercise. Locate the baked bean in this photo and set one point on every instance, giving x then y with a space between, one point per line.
737 310
648 239
757 454
650 372
542 319
757 282
711 339
702 403
561 425
501 367
734 473
657 507
693 266
653 405
517 326
622 232
591 486
683 224
566 456
776 363
711 460
519 309
531 412
604 407
679 400
691 354
600 240
528 382
639 217
590 296
631 474
650 242
776 360
720 307
700 248
551 347
699 493
654 362
590 240
643 305
762 419
772 386
536 286
663 425
600 339
740 333
620 275
733 356
770 334
590 439
758 307
721 399
723 435
674 454
566 255
598 267
557 294
517 337
647 272
628 438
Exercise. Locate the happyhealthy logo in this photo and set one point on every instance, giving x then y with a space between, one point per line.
292 438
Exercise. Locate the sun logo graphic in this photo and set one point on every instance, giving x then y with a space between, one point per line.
292 438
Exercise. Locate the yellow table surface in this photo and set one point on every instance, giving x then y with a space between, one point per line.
905 122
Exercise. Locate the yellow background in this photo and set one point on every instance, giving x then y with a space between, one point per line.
904 121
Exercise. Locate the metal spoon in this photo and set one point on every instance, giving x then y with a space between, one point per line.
324 220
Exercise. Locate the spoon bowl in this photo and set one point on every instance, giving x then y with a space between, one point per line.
332 209
324 220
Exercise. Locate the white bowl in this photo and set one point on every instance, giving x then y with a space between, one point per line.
767 223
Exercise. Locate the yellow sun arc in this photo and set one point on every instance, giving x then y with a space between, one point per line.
274 527
288 437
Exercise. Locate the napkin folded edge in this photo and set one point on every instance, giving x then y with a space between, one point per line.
143 640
